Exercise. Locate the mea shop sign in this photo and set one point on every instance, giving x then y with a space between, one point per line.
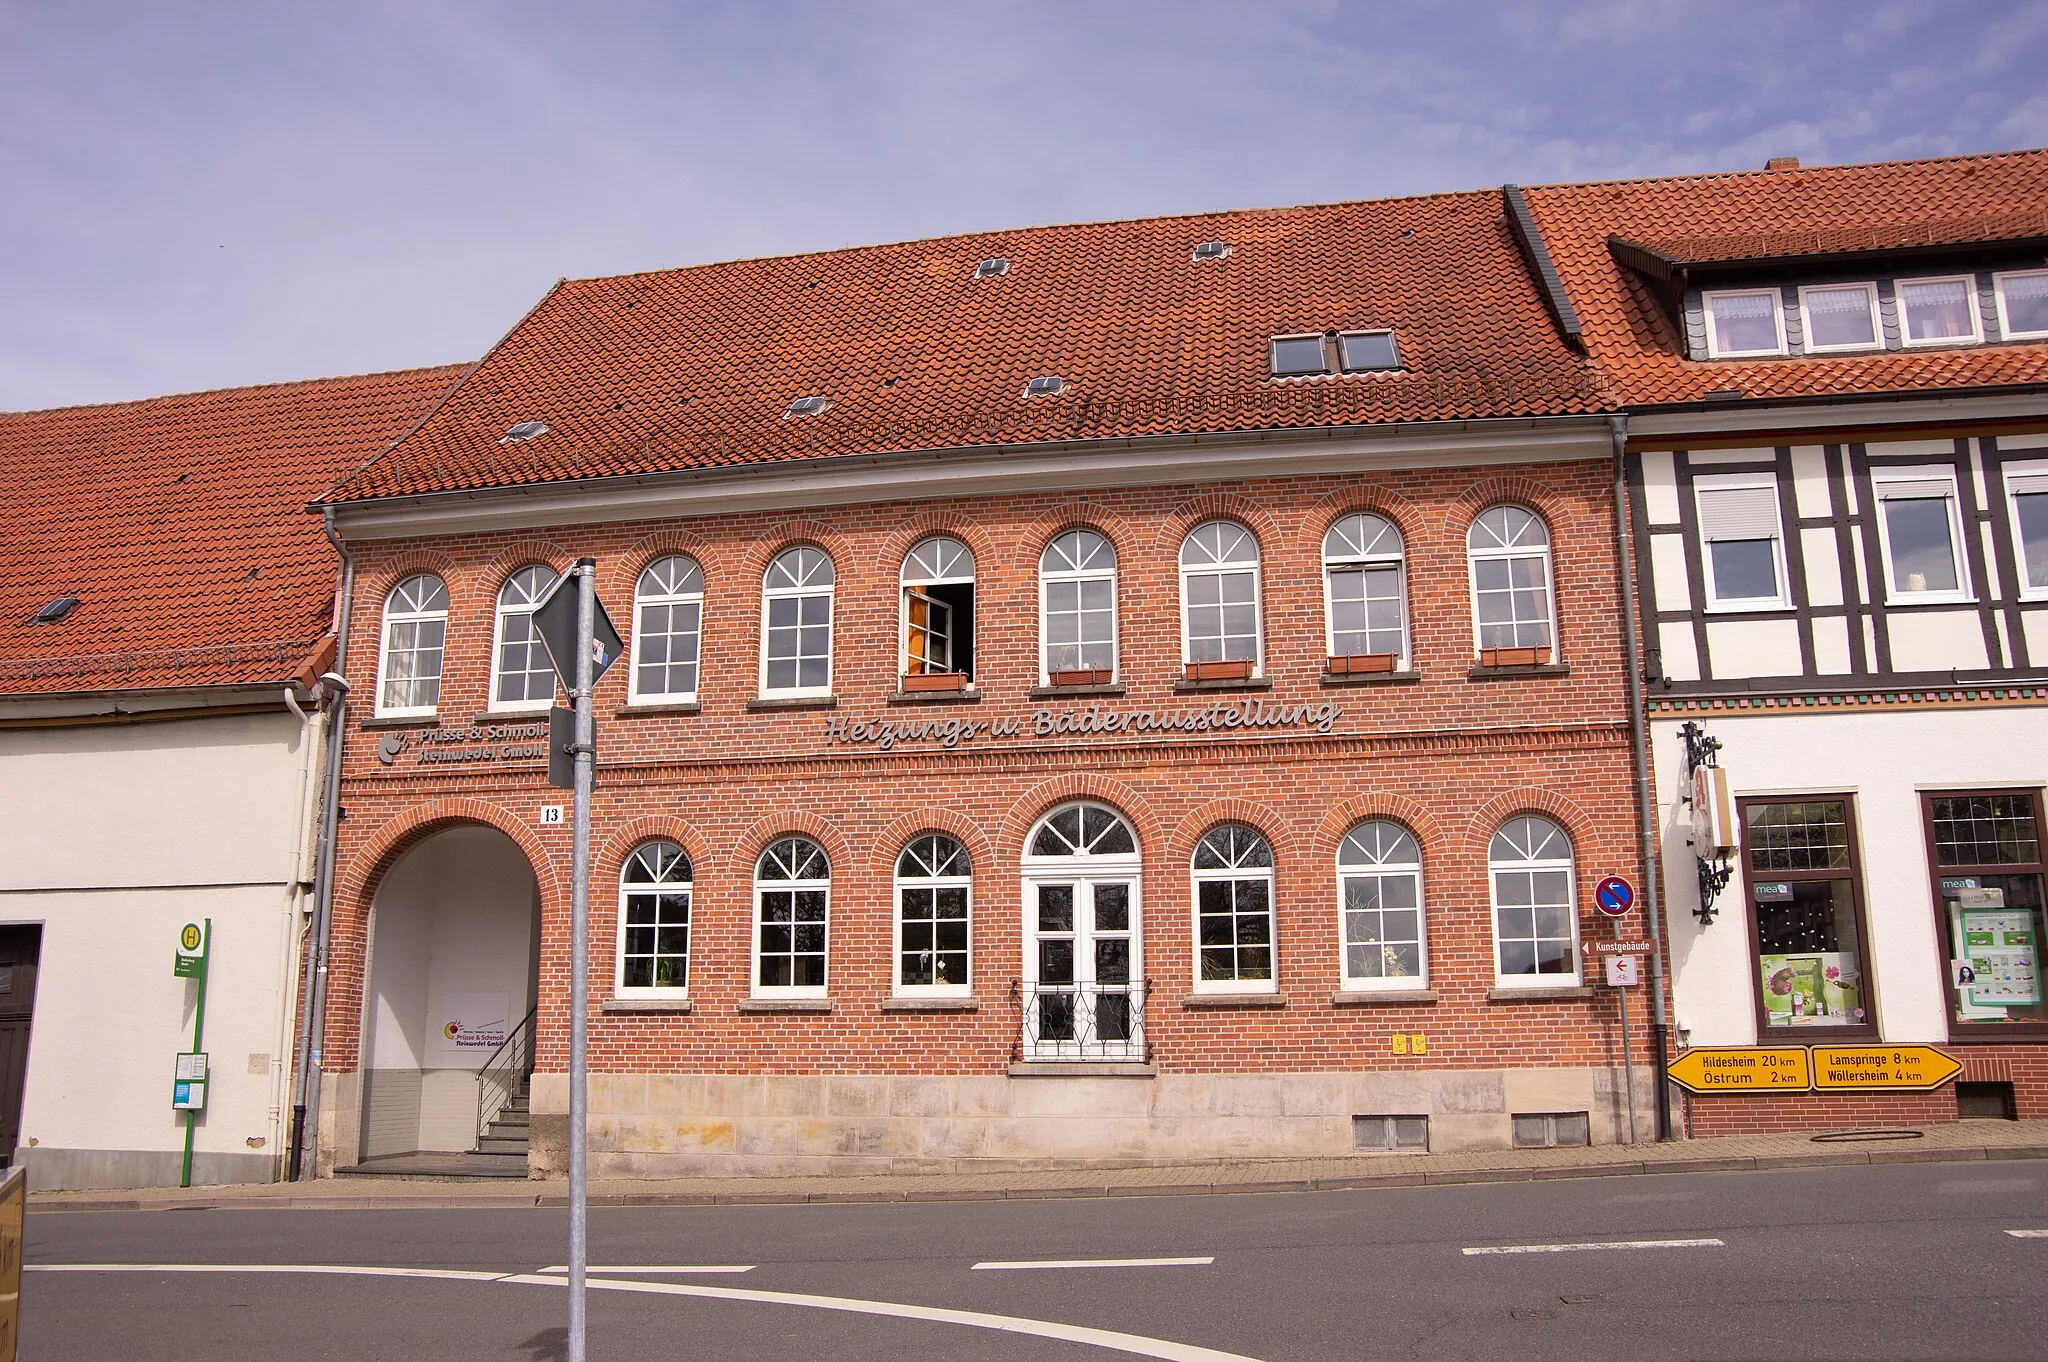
476 743
950 733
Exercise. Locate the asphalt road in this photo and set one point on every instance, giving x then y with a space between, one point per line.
1868 1263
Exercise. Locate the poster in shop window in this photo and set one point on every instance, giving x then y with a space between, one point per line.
2000 949
1814 988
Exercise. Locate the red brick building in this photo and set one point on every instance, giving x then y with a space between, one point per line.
1138 690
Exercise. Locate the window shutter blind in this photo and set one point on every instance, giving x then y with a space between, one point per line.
1913 489
1738 513
2027 484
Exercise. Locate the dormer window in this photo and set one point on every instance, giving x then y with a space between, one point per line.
1939 311
1744 322
1365 352
2023 305
1294 356
1840 317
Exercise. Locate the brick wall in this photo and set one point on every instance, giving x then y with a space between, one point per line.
2023 1066
1448 756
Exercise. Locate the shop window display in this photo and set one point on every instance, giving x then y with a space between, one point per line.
1805 904
1986 854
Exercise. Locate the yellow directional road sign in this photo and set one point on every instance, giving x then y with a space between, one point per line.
1750 1069
1890 1068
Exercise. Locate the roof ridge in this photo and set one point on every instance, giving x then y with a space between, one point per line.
238 388
1799 170
1488 191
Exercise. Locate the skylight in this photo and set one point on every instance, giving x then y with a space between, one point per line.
525 430
989 269
1366 351
55 610
1296 355
806 406
1212 250
1049 386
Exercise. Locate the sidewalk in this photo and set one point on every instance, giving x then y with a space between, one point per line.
1959 1141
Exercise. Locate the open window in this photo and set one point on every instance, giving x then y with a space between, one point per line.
938 616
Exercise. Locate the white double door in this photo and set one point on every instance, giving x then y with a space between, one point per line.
1085 967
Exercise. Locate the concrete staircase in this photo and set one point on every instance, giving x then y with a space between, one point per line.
500 1152
507 1133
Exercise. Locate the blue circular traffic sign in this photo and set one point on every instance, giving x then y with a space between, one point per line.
1614 896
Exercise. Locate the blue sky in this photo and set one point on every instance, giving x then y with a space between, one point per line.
208 194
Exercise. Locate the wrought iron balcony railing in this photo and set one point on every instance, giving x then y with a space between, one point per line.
1083 1021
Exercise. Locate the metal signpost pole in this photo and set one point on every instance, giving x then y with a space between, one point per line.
1628 1067
198 1043
579 953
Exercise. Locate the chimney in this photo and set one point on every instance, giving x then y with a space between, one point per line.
1782 163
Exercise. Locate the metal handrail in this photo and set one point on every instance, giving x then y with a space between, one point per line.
1084 1021
508 1066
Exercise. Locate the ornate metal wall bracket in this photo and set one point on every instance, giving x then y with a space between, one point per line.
1702 749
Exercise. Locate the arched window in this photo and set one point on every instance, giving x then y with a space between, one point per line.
415 632
524 677
1077 610
796 623
1366 594
668 613
1233 874
1083 947
654 920
934 883
1219 601
938 615
1535 915
1379 888
792 886
1509 552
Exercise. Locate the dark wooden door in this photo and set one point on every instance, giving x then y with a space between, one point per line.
19 949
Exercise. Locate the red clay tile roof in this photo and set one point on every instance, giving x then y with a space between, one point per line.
179 524
692 368
1833 209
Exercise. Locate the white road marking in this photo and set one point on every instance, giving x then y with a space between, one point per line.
2028 1234
1583 1248
1134 1344
594 1270
1028 1264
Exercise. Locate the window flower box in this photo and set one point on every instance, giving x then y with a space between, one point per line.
1356 664
1219 671
1082 676
917 681
1515 657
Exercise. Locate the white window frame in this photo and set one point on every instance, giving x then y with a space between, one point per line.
1199 876
1376 983
1221 568
1496 867
642 599
1084 868
1714 350
798 592
1880 478
930 563
1876 316
1998 289
499 615
1273 373
964 882
1706 483
1969 283
384 649
2033 471
1047 576
1473 557
755 987
1372 556
686 888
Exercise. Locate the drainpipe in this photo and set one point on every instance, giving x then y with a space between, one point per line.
298 917
306 1114
1646 817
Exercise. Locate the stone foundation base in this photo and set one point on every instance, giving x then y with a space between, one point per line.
52 1170
655 1125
